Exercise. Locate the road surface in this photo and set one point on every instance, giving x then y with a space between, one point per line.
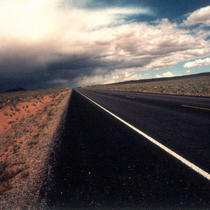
181 123
102 163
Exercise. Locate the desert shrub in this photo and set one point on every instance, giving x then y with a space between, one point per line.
4 178
50 113
16 148
32 143
3 174
24 174
6 113
36 135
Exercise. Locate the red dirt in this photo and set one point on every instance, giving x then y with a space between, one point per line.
25 110
26 139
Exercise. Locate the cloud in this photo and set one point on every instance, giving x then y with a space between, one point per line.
197 63
34 20
46 42
200 16
113 77
166 74
36 35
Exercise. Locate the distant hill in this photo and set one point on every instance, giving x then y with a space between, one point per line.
196 85
162 79
15 90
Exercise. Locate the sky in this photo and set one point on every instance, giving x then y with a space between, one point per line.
71 43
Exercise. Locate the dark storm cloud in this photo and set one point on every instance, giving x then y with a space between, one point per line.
73 46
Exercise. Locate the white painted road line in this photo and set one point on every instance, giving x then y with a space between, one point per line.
166 149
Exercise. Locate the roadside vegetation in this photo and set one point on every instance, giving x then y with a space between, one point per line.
28 120
195 85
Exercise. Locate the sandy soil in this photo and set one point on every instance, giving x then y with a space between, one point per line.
10 115
27 134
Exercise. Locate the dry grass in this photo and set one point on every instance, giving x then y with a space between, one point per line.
196 85
14 98
26 121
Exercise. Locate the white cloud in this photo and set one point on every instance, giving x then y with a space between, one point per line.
44 31
201 15
197 63
113 77
34 20
41 32
162 45
166 74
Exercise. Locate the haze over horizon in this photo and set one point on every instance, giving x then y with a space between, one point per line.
69 43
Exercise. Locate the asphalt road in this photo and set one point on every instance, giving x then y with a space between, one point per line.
103 164
181 123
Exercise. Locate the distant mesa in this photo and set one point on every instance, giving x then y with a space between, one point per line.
15 89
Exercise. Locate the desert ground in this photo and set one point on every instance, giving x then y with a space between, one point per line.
195 85
29 121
